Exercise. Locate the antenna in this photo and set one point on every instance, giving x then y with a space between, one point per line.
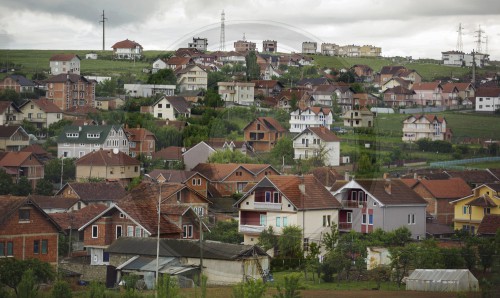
222 32
103 21
486 44
459 38
479 40
244 38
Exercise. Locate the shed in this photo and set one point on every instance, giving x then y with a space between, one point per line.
442 280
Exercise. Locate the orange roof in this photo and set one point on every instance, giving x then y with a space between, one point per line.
218 172
138 134
452 188
63 57
15 159
324 134
426 86
78 218
47 106
126 44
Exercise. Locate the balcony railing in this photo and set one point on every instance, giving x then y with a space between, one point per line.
251 229
353 204
345 226
267 206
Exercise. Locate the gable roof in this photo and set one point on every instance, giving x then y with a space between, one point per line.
45 105
4 105
326 175
16 158
399 90
8 131
266 83
96 191
76 219
176 176
10 204
304 192
65 77
474 176
169 153
219 172
179 103
391 70
53 202
184 248
270 123
426 86
126 44
36 149
429 117
138 134
488 92
63 57
489 225
452 188
321 132
387 192
107 158
22 80
82 131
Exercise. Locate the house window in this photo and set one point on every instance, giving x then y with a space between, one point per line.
466 210
285 221
130 231
36 247
370 219
187 231
263 219
276 197
411 219
95 232
160 115
138 231
306 244
486 210
268 197
326 220
160 106
118 231
349 217
2 249
278 221
24 215
10 248
199 210
122 215
363 221
45 246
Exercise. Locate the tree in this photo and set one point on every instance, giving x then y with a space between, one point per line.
44 187
253 69
347 77
53 170
486 249
291 286
107 88
249 289
27 287
163 77
212 99
12 270
23 187
289 243
5 183
312 260
283 151
225 231
401 259
56 128
61 289
268 239
330 238
168 287
229 156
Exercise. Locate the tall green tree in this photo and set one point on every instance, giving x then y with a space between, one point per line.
23 187
212 99
12 271
163 77
225 231
253 69
44 187
53 170
229 156
5 183
283 151
290 242
268 239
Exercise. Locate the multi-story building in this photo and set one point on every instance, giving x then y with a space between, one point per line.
13 138
370 51
41 112
309 47
64 63
199 43
70 90
428 94
237 92
349 51
77 141
148 90
425 127
453 58
358 118
270 46
244 46
487 99
192 77
263 133
301 119
169 108
127 49
23 164
109 165
329 49
142 142
18 83
317 142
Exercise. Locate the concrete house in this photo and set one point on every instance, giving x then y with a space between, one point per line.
64 64
192 77
127 49
317 142
18 83
41 112
267 87
191 179
23 164
387 204
141 141
281 201
199 43
301 119
428 94
399 97
197 154
10 113
237 93
309 47
77 141
169 108
416 127
487 100
70 90
13 138
453 58
27 232
263 133
358 118
108 165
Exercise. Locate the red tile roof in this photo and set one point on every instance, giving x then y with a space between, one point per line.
78 218
47 106
453 188
138 134
326 175
426 86
323 133
107 158
489 225
270 123
16 159
53 202
218 172
126 44
63 57
35 149
169 153
482 201
97 191
391 192
474 176
488 92
305 192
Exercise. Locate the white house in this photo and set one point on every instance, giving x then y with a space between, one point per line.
192 77
314 141
237 93
127 49
148 90
487 99
64 63
425 127
169 108
301 119
453 58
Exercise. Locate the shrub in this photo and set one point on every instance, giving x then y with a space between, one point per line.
97 290
61 290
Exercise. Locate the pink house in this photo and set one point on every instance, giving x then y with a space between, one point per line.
428 94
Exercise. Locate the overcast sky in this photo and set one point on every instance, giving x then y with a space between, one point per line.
417 28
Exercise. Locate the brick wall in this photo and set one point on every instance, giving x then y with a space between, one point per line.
89 273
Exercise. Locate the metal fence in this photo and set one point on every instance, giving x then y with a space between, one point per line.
457 164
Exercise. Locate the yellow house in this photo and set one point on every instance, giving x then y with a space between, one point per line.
470 210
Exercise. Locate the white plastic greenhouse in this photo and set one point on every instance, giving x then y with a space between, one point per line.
442 280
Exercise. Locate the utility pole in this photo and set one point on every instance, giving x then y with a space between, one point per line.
62 169
459 39
201 247
103 21
222 46
479 40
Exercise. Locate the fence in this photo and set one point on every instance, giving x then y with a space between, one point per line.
456 164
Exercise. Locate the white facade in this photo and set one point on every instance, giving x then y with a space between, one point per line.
309 47
302 119
71 66
237 93
307 144
415 129
329 49
142 90
453 58
487 104
163 109
158 64
199 44
115 140
193 78
350 51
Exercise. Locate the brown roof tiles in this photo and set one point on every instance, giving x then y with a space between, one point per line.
107 158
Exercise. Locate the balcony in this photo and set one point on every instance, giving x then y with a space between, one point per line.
345 226
251 229
353 204
266 206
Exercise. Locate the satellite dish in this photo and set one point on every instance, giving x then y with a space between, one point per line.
115 150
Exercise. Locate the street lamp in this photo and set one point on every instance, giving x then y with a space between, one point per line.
157 234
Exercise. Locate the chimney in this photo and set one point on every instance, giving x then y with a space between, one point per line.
415 176
387 184
346 176
79 128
